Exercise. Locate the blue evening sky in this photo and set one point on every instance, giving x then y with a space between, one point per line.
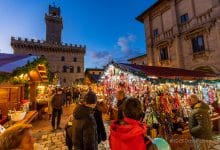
108 28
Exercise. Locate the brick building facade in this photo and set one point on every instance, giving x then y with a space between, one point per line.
183 34
66 60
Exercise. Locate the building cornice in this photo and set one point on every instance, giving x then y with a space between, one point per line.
151 10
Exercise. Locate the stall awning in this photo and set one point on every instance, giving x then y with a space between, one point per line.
9 62
165 72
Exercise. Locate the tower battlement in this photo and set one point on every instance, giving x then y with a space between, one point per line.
18 41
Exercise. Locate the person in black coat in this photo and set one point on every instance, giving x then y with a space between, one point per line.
84 128
100 125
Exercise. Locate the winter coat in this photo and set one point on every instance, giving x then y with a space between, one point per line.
200 125
100 126
127 136
84 132
57 101
68 95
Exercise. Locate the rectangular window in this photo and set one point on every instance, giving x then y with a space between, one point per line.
164 53
78 69
74 59
184 18
71 69
65 68
155 31
198 44
62 58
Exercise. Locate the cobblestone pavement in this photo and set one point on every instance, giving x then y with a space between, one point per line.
49 140
56 141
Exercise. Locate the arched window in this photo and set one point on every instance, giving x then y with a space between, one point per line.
64 80
64 68
71 69
75 59
62 58
78 69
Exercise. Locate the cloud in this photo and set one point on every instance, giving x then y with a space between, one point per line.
100 54
101 58
125 42
123 50
123 57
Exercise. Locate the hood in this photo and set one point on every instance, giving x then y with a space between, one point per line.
201 105
130 129
120 102
82 111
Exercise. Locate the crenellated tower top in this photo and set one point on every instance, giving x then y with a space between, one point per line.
41 44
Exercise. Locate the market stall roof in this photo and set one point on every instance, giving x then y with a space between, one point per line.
165 72
9 62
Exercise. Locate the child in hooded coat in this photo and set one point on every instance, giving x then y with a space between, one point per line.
130 133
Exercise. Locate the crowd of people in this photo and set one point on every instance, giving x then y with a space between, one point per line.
85 128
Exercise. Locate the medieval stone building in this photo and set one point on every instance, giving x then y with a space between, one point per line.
66 60
183 34
139 60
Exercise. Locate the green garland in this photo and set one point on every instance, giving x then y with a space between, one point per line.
24 70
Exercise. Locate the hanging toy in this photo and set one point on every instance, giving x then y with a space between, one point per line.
176 102
164 103
205 94
211 95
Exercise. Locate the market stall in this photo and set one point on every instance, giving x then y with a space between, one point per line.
163 93
19 77
91 79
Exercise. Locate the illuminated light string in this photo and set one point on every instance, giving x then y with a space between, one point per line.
155 80
17 75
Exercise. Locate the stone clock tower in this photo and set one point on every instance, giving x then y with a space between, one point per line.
54 25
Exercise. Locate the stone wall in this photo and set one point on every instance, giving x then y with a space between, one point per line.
201 6
167 20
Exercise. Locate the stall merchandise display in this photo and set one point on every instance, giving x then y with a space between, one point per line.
165 104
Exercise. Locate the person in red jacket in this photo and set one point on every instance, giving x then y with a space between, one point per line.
129 133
